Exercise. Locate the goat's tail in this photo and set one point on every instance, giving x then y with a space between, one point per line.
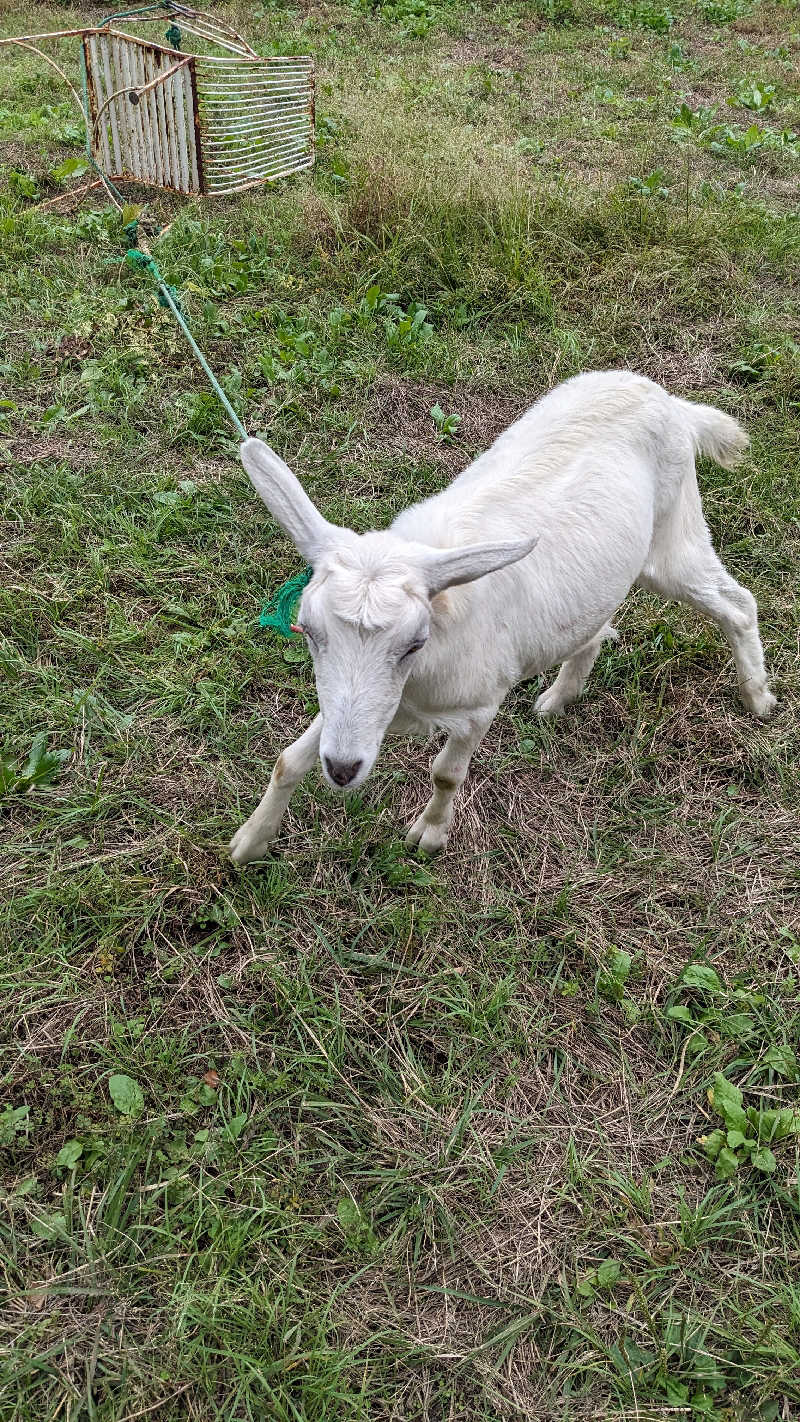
714 433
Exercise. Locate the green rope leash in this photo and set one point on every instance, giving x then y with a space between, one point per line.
144 262
280 611
167 295
168 298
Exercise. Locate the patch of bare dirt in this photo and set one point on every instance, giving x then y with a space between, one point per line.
72 349
399 419
693 364
53 449
24 158
466 52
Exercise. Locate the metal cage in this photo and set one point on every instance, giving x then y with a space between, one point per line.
196 123
206 122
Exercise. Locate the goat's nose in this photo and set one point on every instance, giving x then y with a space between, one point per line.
342 772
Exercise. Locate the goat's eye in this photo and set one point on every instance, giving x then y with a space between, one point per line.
415 646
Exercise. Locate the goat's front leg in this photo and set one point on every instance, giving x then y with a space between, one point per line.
257 833
448 773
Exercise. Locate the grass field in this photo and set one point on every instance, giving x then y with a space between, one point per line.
352 1134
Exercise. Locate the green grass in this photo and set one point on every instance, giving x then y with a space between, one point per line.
405 1139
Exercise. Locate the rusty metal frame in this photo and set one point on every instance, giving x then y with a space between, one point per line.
198 137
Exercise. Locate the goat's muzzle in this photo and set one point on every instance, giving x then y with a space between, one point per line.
342 772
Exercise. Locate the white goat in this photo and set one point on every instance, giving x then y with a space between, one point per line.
598 478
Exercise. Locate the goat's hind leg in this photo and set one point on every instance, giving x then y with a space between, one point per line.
256 834
687 569
571 679
448 773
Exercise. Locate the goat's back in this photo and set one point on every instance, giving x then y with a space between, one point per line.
607 446
602 469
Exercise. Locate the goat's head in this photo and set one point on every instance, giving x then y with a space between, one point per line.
365 614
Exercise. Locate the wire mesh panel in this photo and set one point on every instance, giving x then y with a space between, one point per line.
256 119
143 108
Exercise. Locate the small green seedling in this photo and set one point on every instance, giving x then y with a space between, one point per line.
693 121
41 769
14 1121
529 147
676 56
748 1133
758 97
557 12
653 186
403 329
414 17
446 425
758 359
725 140
68 1156
646 17
23 184
605 1276
612 978
126 1094
722 12
611 981
409 329
710 1010
70 168
356 1228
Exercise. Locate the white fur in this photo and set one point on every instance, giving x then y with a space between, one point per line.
518 565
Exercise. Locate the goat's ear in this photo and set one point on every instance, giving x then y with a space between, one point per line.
446 567
287 500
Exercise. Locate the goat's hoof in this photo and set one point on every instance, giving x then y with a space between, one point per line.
427 837
761 703
549 703
244 848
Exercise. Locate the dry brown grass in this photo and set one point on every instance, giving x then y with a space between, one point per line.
449 1113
